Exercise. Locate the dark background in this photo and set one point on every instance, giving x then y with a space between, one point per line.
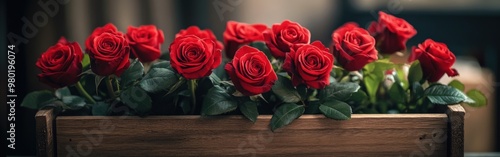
470 31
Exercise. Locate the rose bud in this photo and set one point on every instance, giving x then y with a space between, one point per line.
353 47
391 33
435 59
389 78
238 34
145 42
309 64
61 64
108 50
282 37
193 57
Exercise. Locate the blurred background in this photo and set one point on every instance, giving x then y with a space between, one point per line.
470 28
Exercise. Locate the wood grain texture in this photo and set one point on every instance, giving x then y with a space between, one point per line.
44 132
310 135
456 130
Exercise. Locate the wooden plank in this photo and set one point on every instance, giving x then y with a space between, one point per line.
456 130
44 132
310 135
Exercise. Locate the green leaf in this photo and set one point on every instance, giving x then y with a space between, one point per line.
249 110
38 99
331 79
401 77
158 79
372 83
335 109
215 79
397 93
337 72
85 61
358 96
417 91
478 97
137 99
61 92
374 74
368 68
340 91
285 114
415 73
73 102
262 47
132 74
284 74
457 84
100 109
446 95
381 65
217 101
283 88
161 64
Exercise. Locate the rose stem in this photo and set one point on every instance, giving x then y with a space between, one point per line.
117 85
192 88
109 85
83 92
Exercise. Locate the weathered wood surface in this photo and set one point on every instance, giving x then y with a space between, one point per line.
456 115
44 132
311 135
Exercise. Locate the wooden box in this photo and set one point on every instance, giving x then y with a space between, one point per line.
310 135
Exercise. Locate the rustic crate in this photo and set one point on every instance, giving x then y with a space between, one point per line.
310 135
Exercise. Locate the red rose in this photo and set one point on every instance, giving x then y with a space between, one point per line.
193 57
145 42
251 71
282 37
61 64
391 33
207 33
309 64
108 50
353 46
238 34
435 59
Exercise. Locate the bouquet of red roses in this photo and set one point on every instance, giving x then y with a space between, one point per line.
255 70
